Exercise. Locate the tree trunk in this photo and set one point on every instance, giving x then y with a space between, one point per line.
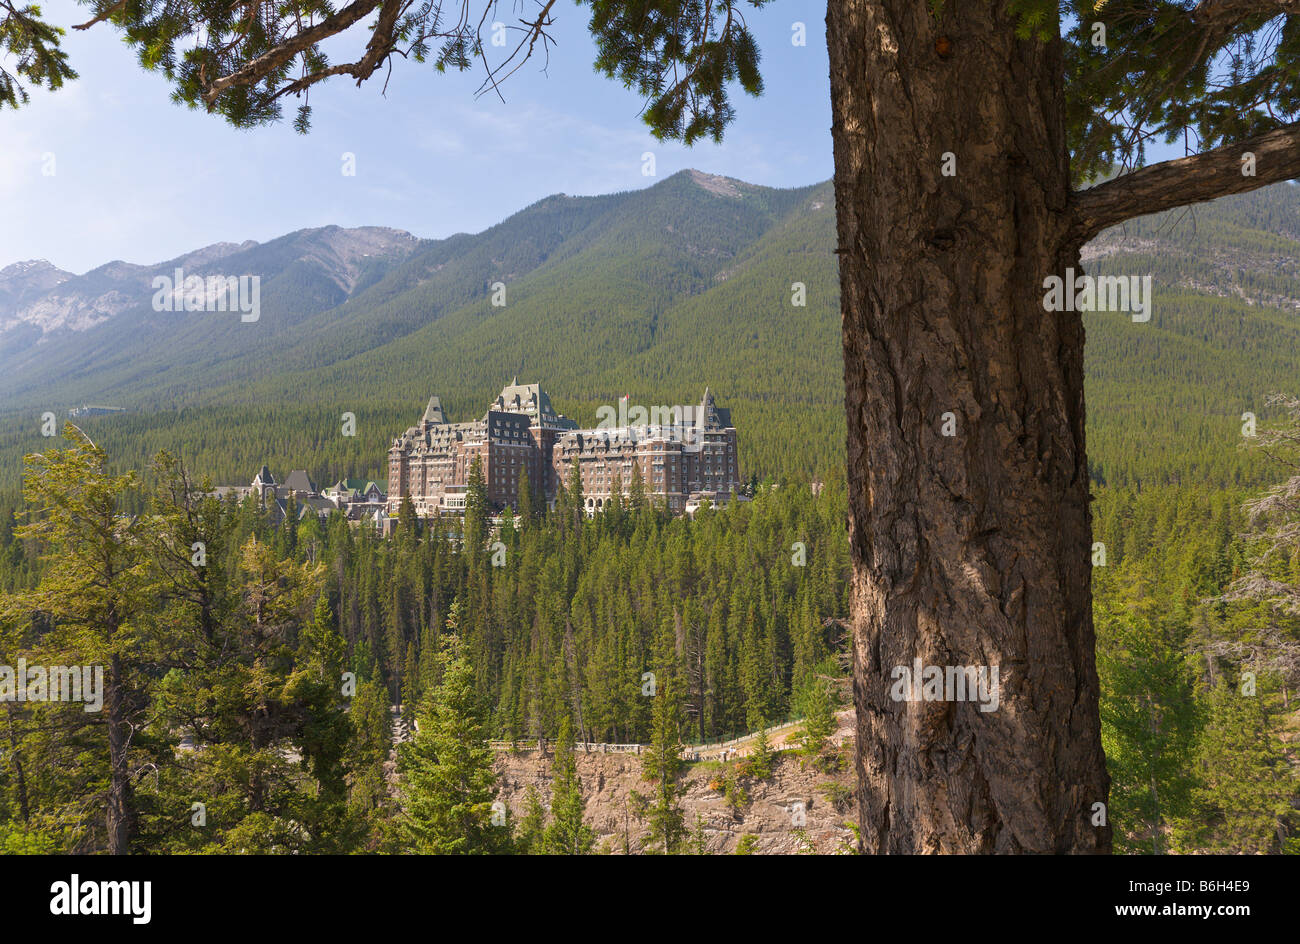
969 549
119 819
16 761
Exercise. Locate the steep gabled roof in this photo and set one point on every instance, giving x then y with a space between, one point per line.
300 481
433 413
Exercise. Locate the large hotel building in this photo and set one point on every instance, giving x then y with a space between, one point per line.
685 453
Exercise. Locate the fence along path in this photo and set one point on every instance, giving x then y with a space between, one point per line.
780 738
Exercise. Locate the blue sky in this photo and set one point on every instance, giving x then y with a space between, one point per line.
140 179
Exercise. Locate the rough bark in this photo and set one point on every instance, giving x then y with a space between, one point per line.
118 818
969 550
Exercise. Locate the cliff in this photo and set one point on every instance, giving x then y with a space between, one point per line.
800 808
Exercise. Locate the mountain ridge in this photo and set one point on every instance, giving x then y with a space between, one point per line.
650 293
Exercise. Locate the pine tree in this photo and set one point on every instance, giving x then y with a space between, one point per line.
699 840
636 499
525 491
449 785
662 763
317 682
760 762
1243 803
476 513
530 831
568 833
324 733
92 588
407 523
574 499
1148 721
369 748
819 716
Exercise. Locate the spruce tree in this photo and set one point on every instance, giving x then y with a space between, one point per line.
323 733
93 588
818 709
476 513
760 762
662 763
530 831
1243 801
574 499
525 493
448 782
369 748
1148 719
636 494
568 833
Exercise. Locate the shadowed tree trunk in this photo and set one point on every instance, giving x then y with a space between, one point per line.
970 549
119 817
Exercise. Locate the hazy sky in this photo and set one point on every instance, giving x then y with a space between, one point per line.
140 179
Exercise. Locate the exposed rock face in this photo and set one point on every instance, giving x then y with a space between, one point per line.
772 813
23 281
36 295
722 186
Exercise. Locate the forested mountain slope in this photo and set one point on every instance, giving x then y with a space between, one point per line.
653 294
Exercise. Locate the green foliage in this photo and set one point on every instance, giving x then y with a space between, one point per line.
530 831
698 843
236 653
369 749
476 513
1148 724
734 793
681 55
252 646
1243 803
816 702
449 786
85 611
1170 71
14 841
758 764
568 833
35 45
1195 766
662 763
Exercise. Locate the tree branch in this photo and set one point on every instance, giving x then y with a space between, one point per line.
267 63
1231 12
108 11
1205 176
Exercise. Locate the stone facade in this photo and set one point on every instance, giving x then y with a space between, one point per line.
685 454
